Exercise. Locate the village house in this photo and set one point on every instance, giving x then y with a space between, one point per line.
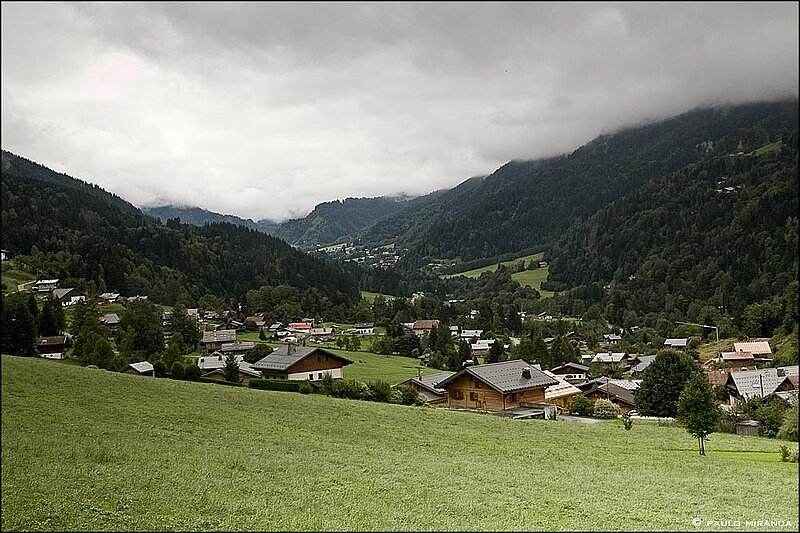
497 387
735 360
427 387
46 285
611 359
246 373
215 360
67 297
4 255
571 372
236 348
611 338
676 344
641 366
111 320
759 350
544 315
292 362
421 327
743 385
560 394
470 335
214 340
322 334
481 347
54 347
108 298
574 336
620 396
257 320
143 368
363 329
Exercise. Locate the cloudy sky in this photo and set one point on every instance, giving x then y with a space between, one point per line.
265 109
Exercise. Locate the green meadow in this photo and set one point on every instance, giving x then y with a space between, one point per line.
530 278
88 449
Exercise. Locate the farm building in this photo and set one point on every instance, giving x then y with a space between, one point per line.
143 368
54 347
498 387
427 386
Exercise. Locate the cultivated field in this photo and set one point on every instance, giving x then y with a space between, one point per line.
87 449
531 278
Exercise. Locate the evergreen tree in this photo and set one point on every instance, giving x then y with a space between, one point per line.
145 318
662 383
51 319
540 352
496 352
231 369
19 326
697 409
186 327
84 312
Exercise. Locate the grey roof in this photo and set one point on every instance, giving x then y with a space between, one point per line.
223 335
576 366
60 293
608 357
244 367
53 340
431 381
644 362
676 343
237 346
281 359
791 370
142 367
215 360
506 376
756 383
111 318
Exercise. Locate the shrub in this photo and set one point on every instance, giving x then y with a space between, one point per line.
788 429
378 391
626 421
271 384
305 387
159 368
348 388
770 418
605 409
580 406
409 396
192 372
178 371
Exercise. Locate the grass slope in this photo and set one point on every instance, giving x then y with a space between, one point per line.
87 449
531 278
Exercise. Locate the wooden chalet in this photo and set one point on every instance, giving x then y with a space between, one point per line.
428 387
571 372
293 362
214 340
497 387
54 347
619 396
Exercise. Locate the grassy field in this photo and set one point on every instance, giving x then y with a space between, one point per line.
370 296
88 449
12 278
393 369
530 278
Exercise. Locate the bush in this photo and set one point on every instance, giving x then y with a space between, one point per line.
580 406
626 421
271 384
178 371
305 387
159 368
770 418
605 409
378 391
788 429
409 396
192 372
348 388
788 456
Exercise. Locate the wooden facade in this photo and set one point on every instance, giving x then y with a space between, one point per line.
468 392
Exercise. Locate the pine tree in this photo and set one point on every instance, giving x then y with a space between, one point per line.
662 383
19 326
231 369
496 352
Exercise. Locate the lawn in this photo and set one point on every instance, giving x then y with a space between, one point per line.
531 278
370 296
87 449
369 366
12 278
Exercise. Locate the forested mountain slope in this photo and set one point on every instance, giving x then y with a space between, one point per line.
526 204
197 216
71 233
685 238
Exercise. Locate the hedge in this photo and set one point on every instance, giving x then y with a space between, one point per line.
271 384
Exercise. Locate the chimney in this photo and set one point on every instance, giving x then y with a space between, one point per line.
526 373
290 348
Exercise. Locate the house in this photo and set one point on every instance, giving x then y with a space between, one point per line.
276 326
639 368
560 394
481 347
193 314
67 297
454 330
571 372
611 337
759 350
736 359
676 344
143 368
215 361
498 387
544 315
54 347
420 327
4 255
108 298
257 320
301 363
471 334
613 360
303 327
321 334
743 385
620 396
111 320
213 340
474 314
364 329
246 373
137 298
427 387
46 285
236 348
717 377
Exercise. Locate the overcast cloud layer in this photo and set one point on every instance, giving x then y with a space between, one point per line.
264 110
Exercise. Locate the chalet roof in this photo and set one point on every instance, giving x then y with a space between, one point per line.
505 376
255 319
717 376
628 384
244 367
237 346
431 381
791 370
320 331
471 333
142 367
608 357
46 281
615 393
281 359
364 326
301 325
570 366
755 348
644 362
425 324
215 360
54 340
561 389
109 295
223 335
112 319
676 343
756 383
737 356
60 293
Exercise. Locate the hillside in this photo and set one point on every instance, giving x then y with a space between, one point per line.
86 449
525 204
331 221
83 238
197 216
685 238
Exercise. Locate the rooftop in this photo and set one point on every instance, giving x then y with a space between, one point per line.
281 359
506 376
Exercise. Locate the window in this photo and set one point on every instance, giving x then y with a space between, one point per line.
319 375
311 376
457 395
473 396
513 396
